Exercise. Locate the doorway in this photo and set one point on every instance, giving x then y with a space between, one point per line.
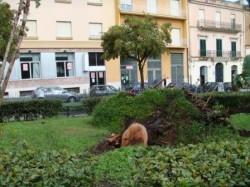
97 78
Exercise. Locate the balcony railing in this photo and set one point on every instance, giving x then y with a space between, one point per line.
209 25
142 8
180 43
219 54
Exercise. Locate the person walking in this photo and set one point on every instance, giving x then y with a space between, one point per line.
197 85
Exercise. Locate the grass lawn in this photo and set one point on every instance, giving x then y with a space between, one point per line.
241 121
72 134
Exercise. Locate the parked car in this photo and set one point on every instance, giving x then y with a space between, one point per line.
135 87
180 85
55 92
216 86
102 90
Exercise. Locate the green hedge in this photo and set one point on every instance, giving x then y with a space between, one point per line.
228 100
26 167
29 110
212 164
89 103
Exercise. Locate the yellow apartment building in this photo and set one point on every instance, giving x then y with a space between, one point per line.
171 65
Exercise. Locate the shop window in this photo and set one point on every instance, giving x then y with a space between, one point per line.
30 66
64 65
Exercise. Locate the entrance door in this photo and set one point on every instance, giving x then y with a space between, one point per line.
219 72
203 74
154 70
177 74
97 78
154 76
233 73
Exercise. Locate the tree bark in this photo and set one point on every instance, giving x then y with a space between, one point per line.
13 31
25 8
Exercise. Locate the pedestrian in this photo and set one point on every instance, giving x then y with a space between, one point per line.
197 85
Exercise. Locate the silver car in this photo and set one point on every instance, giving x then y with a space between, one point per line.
102 90
55 92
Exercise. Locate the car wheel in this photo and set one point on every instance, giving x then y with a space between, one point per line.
71 99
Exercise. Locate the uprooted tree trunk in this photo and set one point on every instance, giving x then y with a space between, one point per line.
161 128
22 8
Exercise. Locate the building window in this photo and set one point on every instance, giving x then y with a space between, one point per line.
95 59
218 47
65 64
94 2
126 5
232 21
203 52
63 30
30 66
95 31
32 29
175 8
151 6
202 18
218 19
63 1
233 48
175 34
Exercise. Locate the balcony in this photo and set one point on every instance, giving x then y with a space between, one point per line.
158 12
213 26
216 55
179 43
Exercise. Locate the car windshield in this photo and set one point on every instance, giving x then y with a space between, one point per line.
112 88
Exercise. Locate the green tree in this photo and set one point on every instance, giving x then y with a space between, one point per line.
243 79
137 38
6 17
11 36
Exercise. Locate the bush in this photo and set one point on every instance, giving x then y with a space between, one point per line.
90 103
27 167
213 164
30 110
228 100
112 113
116 111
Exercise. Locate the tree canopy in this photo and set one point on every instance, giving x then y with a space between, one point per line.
6 19
138 38
243 80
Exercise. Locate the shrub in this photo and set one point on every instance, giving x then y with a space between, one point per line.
228 100
29 110
90 103
112 113
27 167
214 164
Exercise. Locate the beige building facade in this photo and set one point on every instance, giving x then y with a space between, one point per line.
216 40
63 47
247 29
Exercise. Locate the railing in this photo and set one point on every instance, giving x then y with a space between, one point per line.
142 8
181 42
218 26
219 53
